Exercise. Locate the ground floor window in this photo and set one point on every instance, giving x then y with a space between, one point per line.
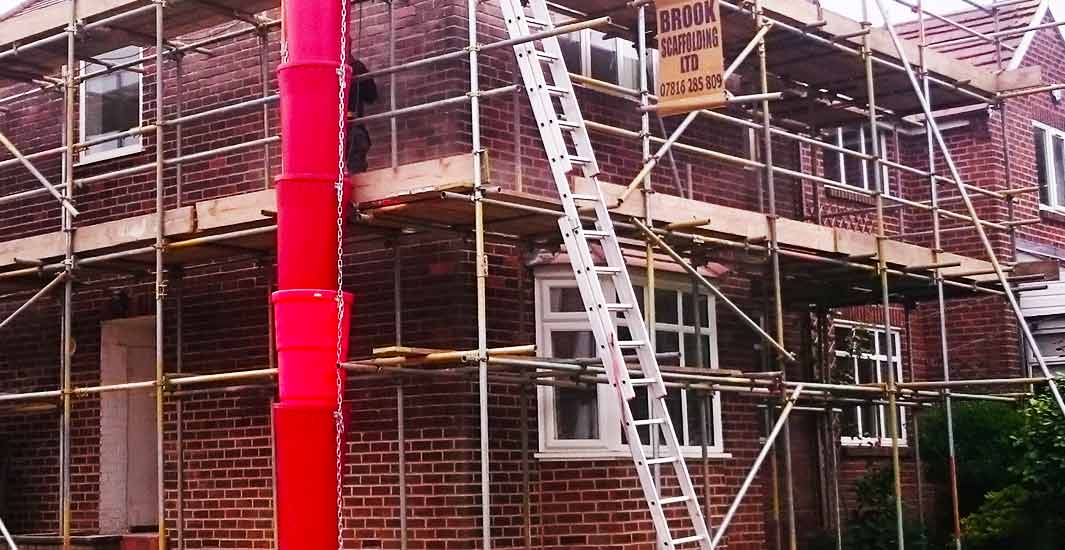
1049 335
862 358
586 422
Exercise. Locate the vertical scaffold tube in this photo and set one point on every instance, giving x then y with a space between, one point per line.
305 305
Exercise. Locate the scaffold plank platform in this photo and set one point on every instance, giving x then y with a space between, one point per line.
112 24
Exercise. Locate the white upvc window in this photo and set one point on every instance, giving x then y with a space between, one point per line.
1049 335
1050 166
585 423
591 53
852 170
111 103
861 358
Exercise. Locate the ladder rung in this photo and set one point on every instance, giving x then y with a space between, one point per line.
647 422
618 307
688 540
606 270
672 500
630 343
567 125
579 197
579 160
664 460
533 22
595 233
556 91
642 381
544 56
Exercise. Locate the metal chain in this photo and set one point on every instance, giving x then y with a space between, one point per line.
341 126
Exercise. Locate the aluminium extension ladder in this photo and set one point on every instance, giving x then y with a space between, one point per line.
678 520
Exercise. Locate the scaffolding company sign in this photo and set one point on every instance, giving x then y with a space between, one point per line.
691 62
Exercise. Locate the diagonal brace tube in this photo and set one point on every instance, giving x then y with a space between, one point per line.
37 174
40 294
769 441
7 536
657 241
964 194
649 164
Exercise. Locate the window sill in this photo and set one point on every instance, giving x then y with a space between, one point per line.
872 450
852 196
1049 214
592 454
92 158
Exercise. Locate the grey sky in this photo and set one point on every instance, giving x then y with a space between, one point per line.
899 13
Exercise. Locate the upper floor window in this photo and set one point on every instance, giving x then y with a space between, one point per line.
1050 164
110 104
591 53
862 358
853 170
584 423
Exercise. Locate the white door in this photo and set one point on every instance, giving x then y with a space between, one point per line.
128 477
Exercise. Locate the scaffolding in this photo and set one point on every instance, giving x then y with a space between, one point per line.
680 241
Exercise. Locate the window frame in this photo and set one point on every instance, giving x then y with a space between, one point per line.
86 156
1050 326
883 439
1056 203
609 444
840 158
584 42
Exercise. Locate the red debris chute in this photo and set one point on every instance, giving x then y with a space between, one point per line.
305 306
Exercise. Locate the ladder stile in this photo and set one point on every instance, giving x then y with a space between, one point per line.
606 290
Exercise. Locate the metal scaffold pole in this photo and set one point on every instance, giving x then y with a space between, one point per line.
770 441
160 276
889 351
481 273
774 262
66 337
937 250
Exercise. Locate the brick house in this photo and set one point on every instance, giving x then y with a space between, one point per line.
560 475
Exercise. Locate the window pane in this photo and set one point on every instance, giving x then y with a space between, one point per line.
630 65
603 58
843 339
690 354
675 404
700 418
689 316
1041 165
866 371
112 101
1059 171
666 306
571 51
572 344
576 414
667 342
870 420
639 412
853 167
1051 345
576 410
849 422
885 372
565 300
831 159
638 291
